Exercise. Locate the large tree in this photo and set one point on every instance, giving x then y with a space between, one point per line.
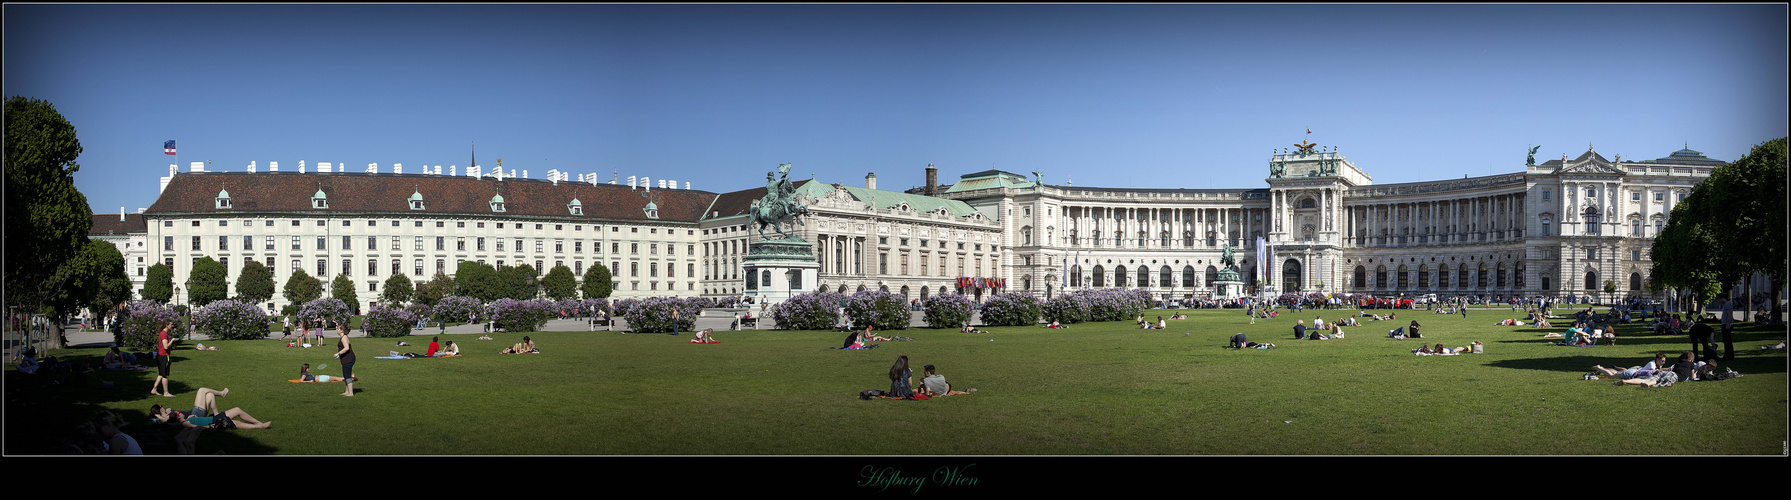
430 292
398 290
301 288
560 283
255 283
211 282
1751 225
46 217
93 279
515 282
596 285
158 284
342 289
472 279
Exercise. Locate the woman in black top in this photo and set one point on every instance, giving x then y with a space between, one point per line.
345 355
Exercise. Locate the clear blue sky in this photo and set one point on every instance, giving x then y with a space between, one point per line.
1193 96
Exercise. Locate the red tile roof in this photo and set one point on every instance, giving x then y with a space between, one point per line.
109 225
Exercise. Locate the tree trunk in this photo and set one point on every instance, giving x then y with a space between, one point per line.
1775 319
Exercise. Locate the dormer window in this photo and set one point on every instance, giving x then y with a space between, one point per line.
497 203
575 208
416 200
223 199
319 200
652 210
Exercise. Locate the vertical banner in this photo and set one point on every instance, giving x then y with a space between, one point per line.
1262 261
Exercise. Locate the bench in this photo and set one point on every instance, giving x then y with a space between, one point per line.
749 322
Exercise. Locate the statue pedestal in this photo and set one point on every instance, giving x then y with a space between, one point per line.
1228 289
1266 292
779 269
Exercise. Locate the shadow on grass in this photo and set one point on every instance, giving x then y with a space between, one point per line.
44 411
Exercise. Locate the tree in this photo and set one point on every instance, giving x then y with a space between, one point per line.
342 289
596 285
560 283
431 292
210 282
158 284
255 283
514 282
397 291
301 288
472 279
92 280
1610 288
47 219
1753 214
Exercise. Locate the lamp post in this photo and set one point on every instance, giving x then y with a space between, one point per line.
189 314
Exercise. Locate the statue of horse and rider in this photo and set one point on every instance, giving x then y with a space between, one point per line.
779 204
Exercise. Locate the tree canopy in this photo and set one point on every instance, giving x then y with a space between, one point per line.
93 279
211 281
560 283
301 288
431 292
597 282
398 290
342 289
47 219
158 284
255 283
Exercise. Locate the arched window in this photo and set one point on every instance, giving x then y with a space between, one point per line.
1482 281
1076 275
1119 276
1461 276
1100 277
1499 278
1188 277
1635 282
1165 277
1591 281
1212 274
1380 277
1290 276
1405 280
1591 220
1443 276
1361 277
1143 277
1026 236
1423 276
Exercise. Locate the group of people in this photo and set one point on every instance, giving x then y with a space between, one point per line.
435 350
1658 373
1144 324
932 384
1439 350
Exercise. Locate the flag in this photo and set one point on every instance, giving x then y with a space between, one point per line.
168 147
1308 131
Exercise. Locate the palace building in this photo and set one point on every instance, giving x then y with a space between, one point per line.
1321 225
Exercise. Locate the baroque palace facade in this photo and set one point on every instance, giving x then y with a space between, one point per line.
1562 227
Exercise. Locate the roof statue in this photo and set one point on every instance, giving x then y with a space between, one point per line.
1306 147
1531 161
779 204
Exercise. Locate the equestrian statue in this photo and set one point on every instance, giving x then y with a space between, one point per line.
779 204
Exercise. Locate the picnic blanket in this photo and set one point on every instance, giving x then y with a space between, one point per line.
391 357
917 397
694 341
872 346
1573 345
332 379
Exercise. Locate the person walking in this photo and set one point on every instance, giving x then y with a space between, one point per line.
674 320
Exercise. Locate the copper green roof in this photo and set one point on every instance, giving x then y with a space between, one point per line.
887 199
990 179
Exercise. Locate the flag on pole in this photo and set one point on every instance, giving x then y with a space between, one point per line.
168 148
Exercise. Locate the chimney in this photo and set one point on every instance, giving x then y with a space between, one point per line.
397 168
324 167
525 173
372 168
273 166
686 185
120 214
646 183
870 180
173 169
630 183
932 180
197 166
301 166
251 167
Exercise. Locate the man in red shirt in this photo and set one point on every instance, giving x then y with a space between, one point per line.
162 345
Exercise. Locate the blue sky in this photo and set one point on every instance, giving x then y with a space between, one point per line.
1191 96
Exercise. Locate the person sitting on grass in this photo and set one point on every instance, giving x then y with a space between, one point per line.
114 360
901 379
451 350
934 385
434 346
704 337
1054 324
527 346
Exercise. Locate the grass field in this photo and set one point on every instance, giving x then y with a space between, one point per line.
1092 389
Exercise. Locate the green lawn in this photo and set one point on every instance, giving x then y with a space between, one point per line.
1091 389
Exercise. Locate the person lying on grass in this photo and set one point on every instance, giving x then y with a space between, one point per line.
527 346
1240 342
934 385
968 329
114 360
204 416
1653 374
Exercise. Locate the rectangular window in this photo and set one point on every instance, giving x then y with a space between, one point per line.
347 267
347 242
441 243
195 242
398 267
373 267
441 266
322 266
270 264
653 249
1635 255
167 242
372 244
248 243
578 247
479 244
295 243
613 247
1591 254
460 243
634 269
270 243
373 286
559 246
224 243
1659 196
322 244
537 243
418 270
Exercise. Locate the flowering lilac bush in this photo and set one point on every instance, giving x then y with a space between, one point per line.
146 320
595 304
654 315
419 310
1100 304
326 308
948 311
389 322
513 315
1012 309
231 320
809 311
456 309
1067 309
884 310
623 306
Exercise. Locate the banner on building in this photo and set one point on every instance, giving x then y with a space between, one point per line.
982 283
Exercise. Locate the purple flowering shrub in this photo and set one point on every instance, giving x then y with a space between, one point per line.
146 320
622 307
1012 309
809 311
326 308
1287 299
598 304
513 315
419 310
389 322
231 320
1067 309
1100 304
948 311
654 315
456 309
884 310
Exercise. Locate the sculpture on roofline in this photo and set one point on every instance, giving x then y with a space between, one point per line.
1531 161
